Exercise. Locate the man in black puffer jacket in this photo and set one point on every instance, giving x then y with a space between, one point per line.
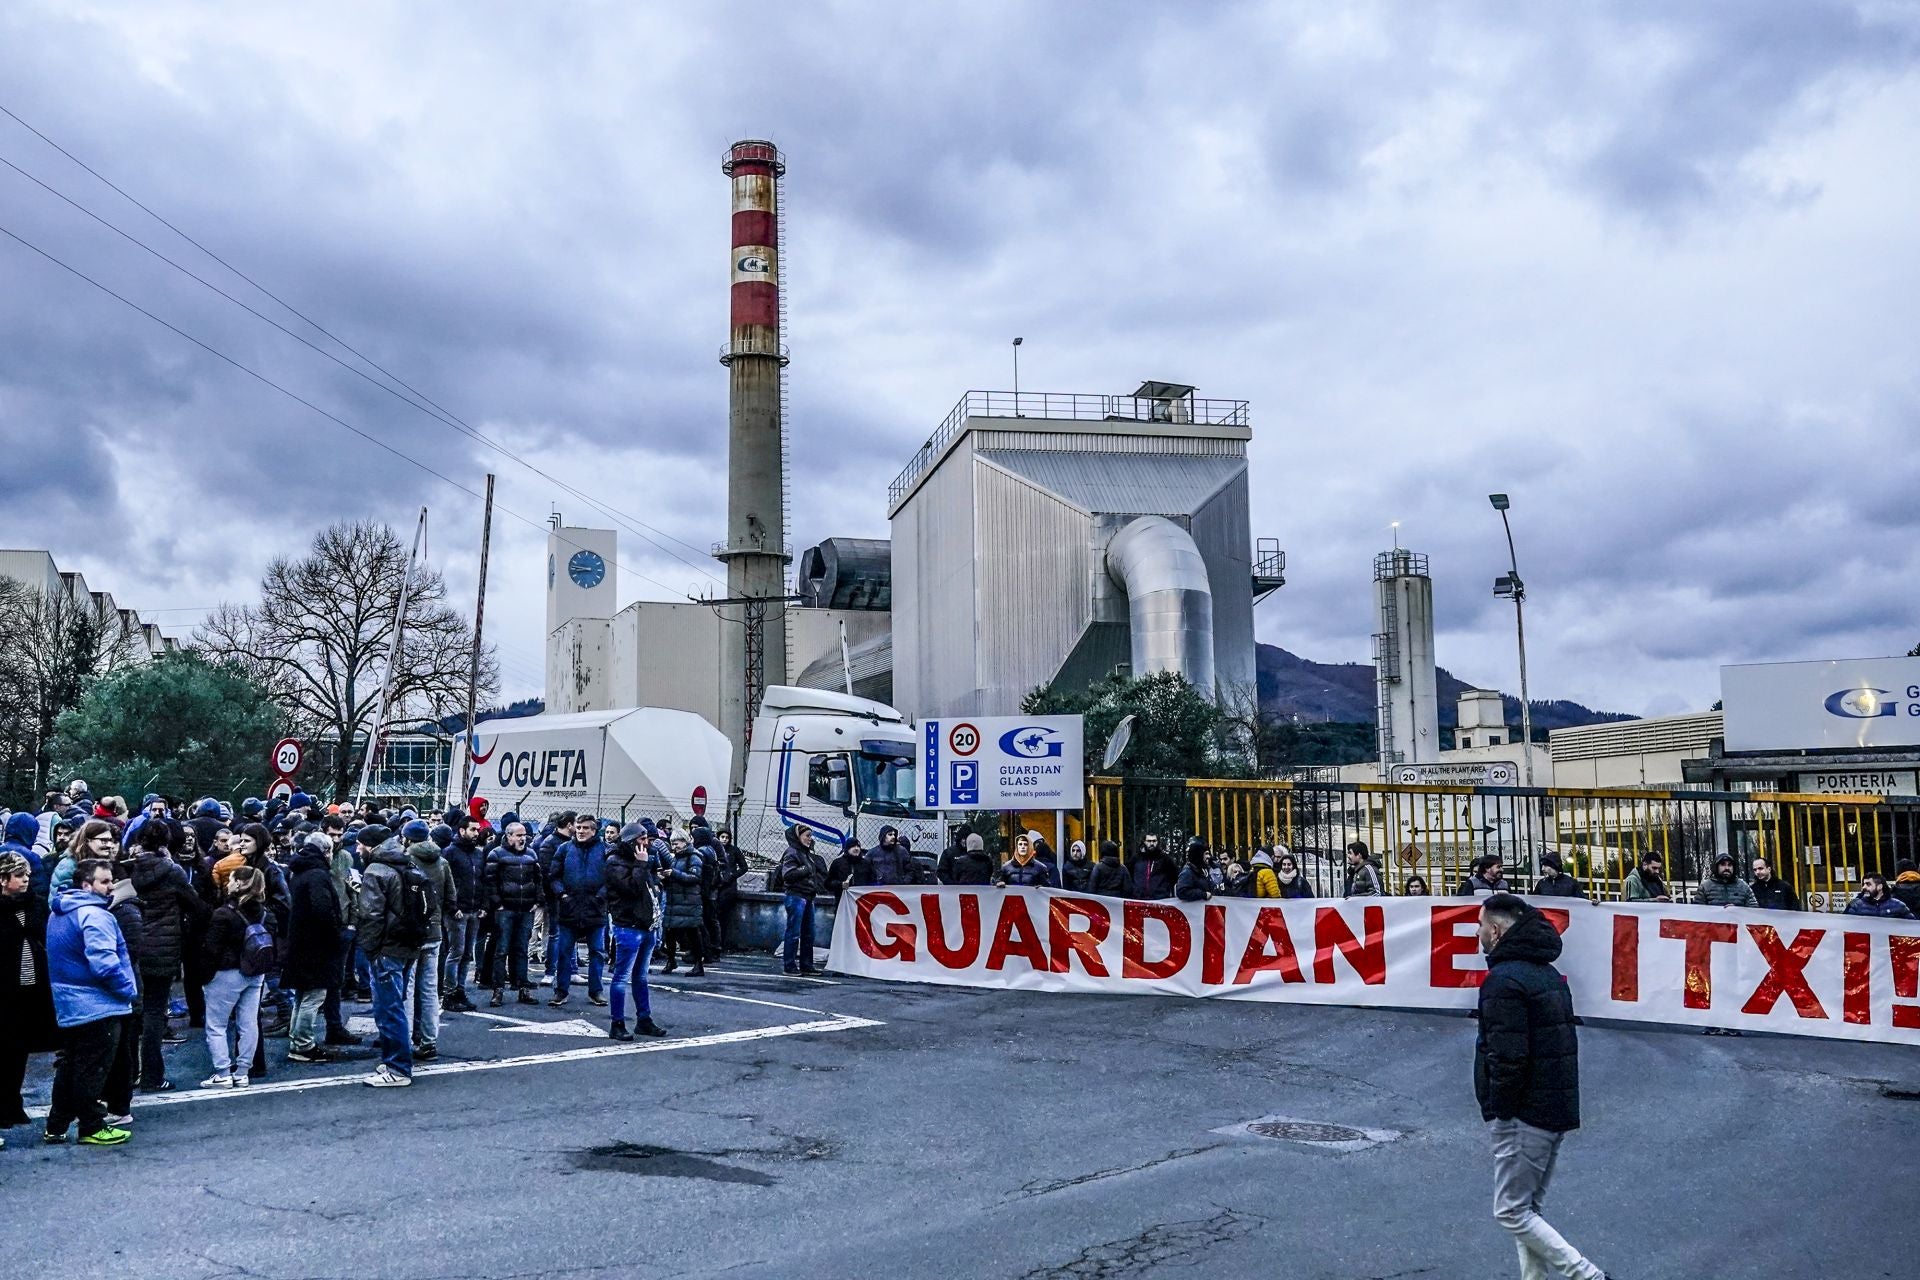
1526 1074
1109 877
168 905
515 884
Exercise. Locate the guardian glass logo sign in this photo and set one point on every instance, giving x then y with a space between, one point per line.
1863 703
1002 762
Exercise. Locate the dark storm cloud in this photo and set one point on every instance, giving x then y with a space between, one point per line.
1415 237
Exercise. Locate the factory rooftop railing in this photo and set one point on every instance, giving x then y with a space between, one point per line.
1060 406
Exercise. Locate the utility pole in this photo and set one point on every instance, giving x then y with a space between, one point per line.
473 668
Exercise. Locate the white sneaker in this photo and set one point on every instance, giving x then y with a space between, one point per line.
217 1081
118 1122
242 1081
385 1077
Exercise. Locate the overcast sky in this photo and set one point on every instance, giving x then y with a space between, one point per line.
1652 269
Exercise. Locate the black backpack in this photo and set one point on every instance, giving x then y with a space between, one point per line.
258 954
415 923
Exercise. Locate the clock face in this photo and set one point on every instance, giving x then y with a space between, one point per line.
586 568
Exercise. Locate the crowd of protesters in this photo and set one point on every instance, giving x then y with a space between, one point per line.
115 925
269 921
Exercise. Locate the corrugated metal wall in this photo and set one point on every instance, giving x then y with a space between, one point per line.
1034 567
934 591
1221 530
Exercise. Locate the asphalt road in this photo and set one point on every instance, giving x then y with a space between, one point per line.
859 1128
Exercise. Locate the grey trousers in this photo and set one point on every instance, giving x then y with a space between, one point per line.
1523 1159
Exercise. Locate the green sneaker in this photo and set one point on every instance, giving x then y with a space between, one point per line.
109 1137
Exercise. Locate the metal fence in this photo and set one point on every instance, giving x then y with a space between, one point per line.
1822 845
1060 405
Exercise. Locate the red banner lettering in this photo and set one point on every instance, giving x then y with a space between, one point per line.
1700 937
1331 933
1133 954
1065 940
900 937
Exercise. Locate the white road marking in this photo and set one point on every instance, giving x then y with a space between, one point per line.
720 995
528 1026
788 977
614 1049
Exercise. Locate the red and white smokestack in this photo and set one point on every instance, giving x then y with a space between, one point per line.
755 167
753 640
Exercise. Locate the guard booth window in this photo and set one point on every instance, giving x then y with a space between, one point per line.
828 780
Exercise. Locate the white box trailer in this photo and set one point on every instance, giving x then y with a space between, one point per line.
642 762
839 765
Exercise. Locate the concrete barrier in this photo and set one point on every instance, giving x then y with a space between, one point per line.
760 921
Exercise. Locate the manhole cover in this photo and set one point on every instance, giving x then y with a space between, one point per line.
1305 1131
1319 1134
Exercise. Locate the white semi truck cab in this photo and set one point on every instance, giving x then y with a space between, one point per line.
840 765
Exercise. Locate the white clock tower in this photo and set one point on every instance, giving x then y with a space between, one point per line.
581 572
582 591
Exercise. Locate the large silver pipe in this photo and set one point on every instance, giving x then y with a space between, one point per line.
1169 601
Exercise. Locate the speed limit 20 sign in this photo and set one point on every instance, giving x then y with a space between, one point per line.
287 755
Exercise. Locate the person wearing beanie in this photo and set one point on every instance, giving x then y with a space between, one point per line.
1725 888
1108 877
968 864
1262 882
441 834
26 993
1078 869
1906 884
312 962
423 980
683 919
94 989
380 915
1554 882
1194 885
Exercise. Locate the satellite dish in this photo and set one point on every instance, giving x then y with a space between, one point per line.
1117 744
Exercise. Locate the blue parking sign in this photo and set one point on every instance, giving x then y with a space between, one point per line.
966 782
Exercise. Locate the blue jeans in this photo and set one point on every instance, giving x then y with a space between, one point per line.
510 960
462 936
797 950
390 1013
632 948
568 941
423 996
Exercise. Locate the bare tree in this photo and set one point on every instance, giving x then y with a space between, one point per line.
53 644
320 636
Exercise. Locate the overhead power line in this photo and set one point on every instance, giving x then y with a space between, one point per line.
297 398
425 404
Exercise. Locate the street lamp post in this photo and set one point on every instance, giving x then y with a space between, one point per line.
1016 377
1509 584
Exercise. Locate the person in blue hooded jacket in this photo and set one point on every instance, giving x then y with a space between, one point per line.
580 909
93 992
23 829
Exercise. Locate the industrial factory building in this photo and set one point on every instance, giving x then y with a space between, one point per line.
1036 538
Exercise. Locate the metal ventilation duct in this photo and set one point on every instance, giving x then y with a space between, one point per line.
1169 600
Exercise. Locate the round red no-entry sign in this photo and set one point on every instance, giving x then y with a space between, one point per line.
699 802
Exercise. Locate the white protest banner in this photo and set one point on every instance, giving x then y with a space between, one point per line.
1810 974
